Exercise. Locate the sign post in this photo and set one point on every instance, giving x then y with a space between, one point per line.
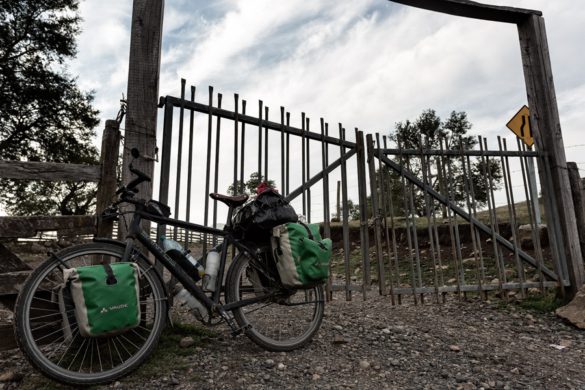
520 125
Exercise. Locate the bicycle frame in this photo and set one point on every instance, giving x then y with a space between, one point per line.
137 233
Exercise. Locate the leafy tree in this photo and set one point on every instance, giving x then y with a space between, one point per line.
428 131
248 187
44 116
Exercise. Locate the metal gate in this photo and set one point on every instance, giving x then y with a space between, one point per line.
208 148
419 233
435 241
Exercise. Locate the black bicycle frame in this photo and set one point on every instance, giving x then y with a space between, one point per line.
136 232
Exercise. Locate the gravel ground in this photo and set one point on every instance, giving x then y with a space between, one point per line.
374 345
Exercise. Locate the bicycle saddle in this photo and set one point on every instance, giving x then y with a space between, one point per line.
230 201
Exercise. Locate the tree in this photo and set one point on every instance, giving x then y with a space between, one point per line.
248 187
44 116
433 133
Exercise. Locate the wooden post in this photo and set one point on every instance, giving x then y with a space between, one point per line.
142 96
576 191
546 129
107 184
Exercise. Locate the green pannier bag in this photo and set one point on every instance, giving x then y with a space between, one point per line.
302 257
106 297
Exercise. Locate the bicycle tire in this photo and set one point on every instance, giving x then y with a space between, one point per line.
43 354
273 324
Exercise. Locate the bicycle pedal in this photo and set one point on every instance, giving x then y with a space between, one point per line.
239 331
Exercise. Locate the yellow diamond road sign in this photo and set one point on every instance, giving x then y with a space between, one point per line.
520 125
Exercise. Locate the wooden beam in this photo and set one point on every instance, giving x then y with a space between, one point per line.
142 97
17 227
472 9
546 127
48 171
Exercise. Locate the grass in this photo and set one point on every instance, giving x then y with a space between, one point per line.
546 303
502 215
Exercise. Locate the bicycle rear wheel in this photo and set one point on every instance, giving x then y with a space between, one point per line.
287 319
66 356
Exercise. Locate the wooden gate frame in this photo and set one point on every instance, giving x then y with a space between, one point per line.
145 69
13 269
544 115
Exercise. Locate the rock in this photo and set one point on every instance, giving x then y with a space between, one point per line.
337 327
364 364
316 377
186 342
11 376
319 370
574 312
269 363
455 348
280 367
338 339
386 331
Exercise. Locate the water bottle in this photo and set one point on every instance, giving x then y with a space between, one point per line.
211 269
183 257
184 297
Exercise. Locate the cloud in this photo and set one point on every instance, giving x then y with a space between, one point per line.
367 64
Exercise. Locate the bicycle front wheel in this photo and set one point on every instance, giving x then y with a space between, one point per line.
286 319
58 350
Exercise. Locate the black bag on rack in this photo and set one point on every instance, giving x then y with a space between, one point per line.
267 210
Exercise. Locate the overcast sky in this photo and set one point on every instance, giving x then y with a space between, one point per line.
367 64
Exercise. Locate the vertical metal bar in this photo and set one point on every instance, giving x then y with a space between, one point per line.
216 170
303 171
287 174
512 214
260 104
364 241
326 219
308 175
282 155
165 166
492 215
179 154
527 184
407 211
345 215
467 195
412 220
523 168
376 214
208 167
427 182
443 209
266 145
243 186
491 198
453 222
392 223
560 260
476 238
236 140
190 165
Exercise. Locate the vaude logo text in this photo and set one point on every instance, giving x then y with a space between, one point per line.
116 307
